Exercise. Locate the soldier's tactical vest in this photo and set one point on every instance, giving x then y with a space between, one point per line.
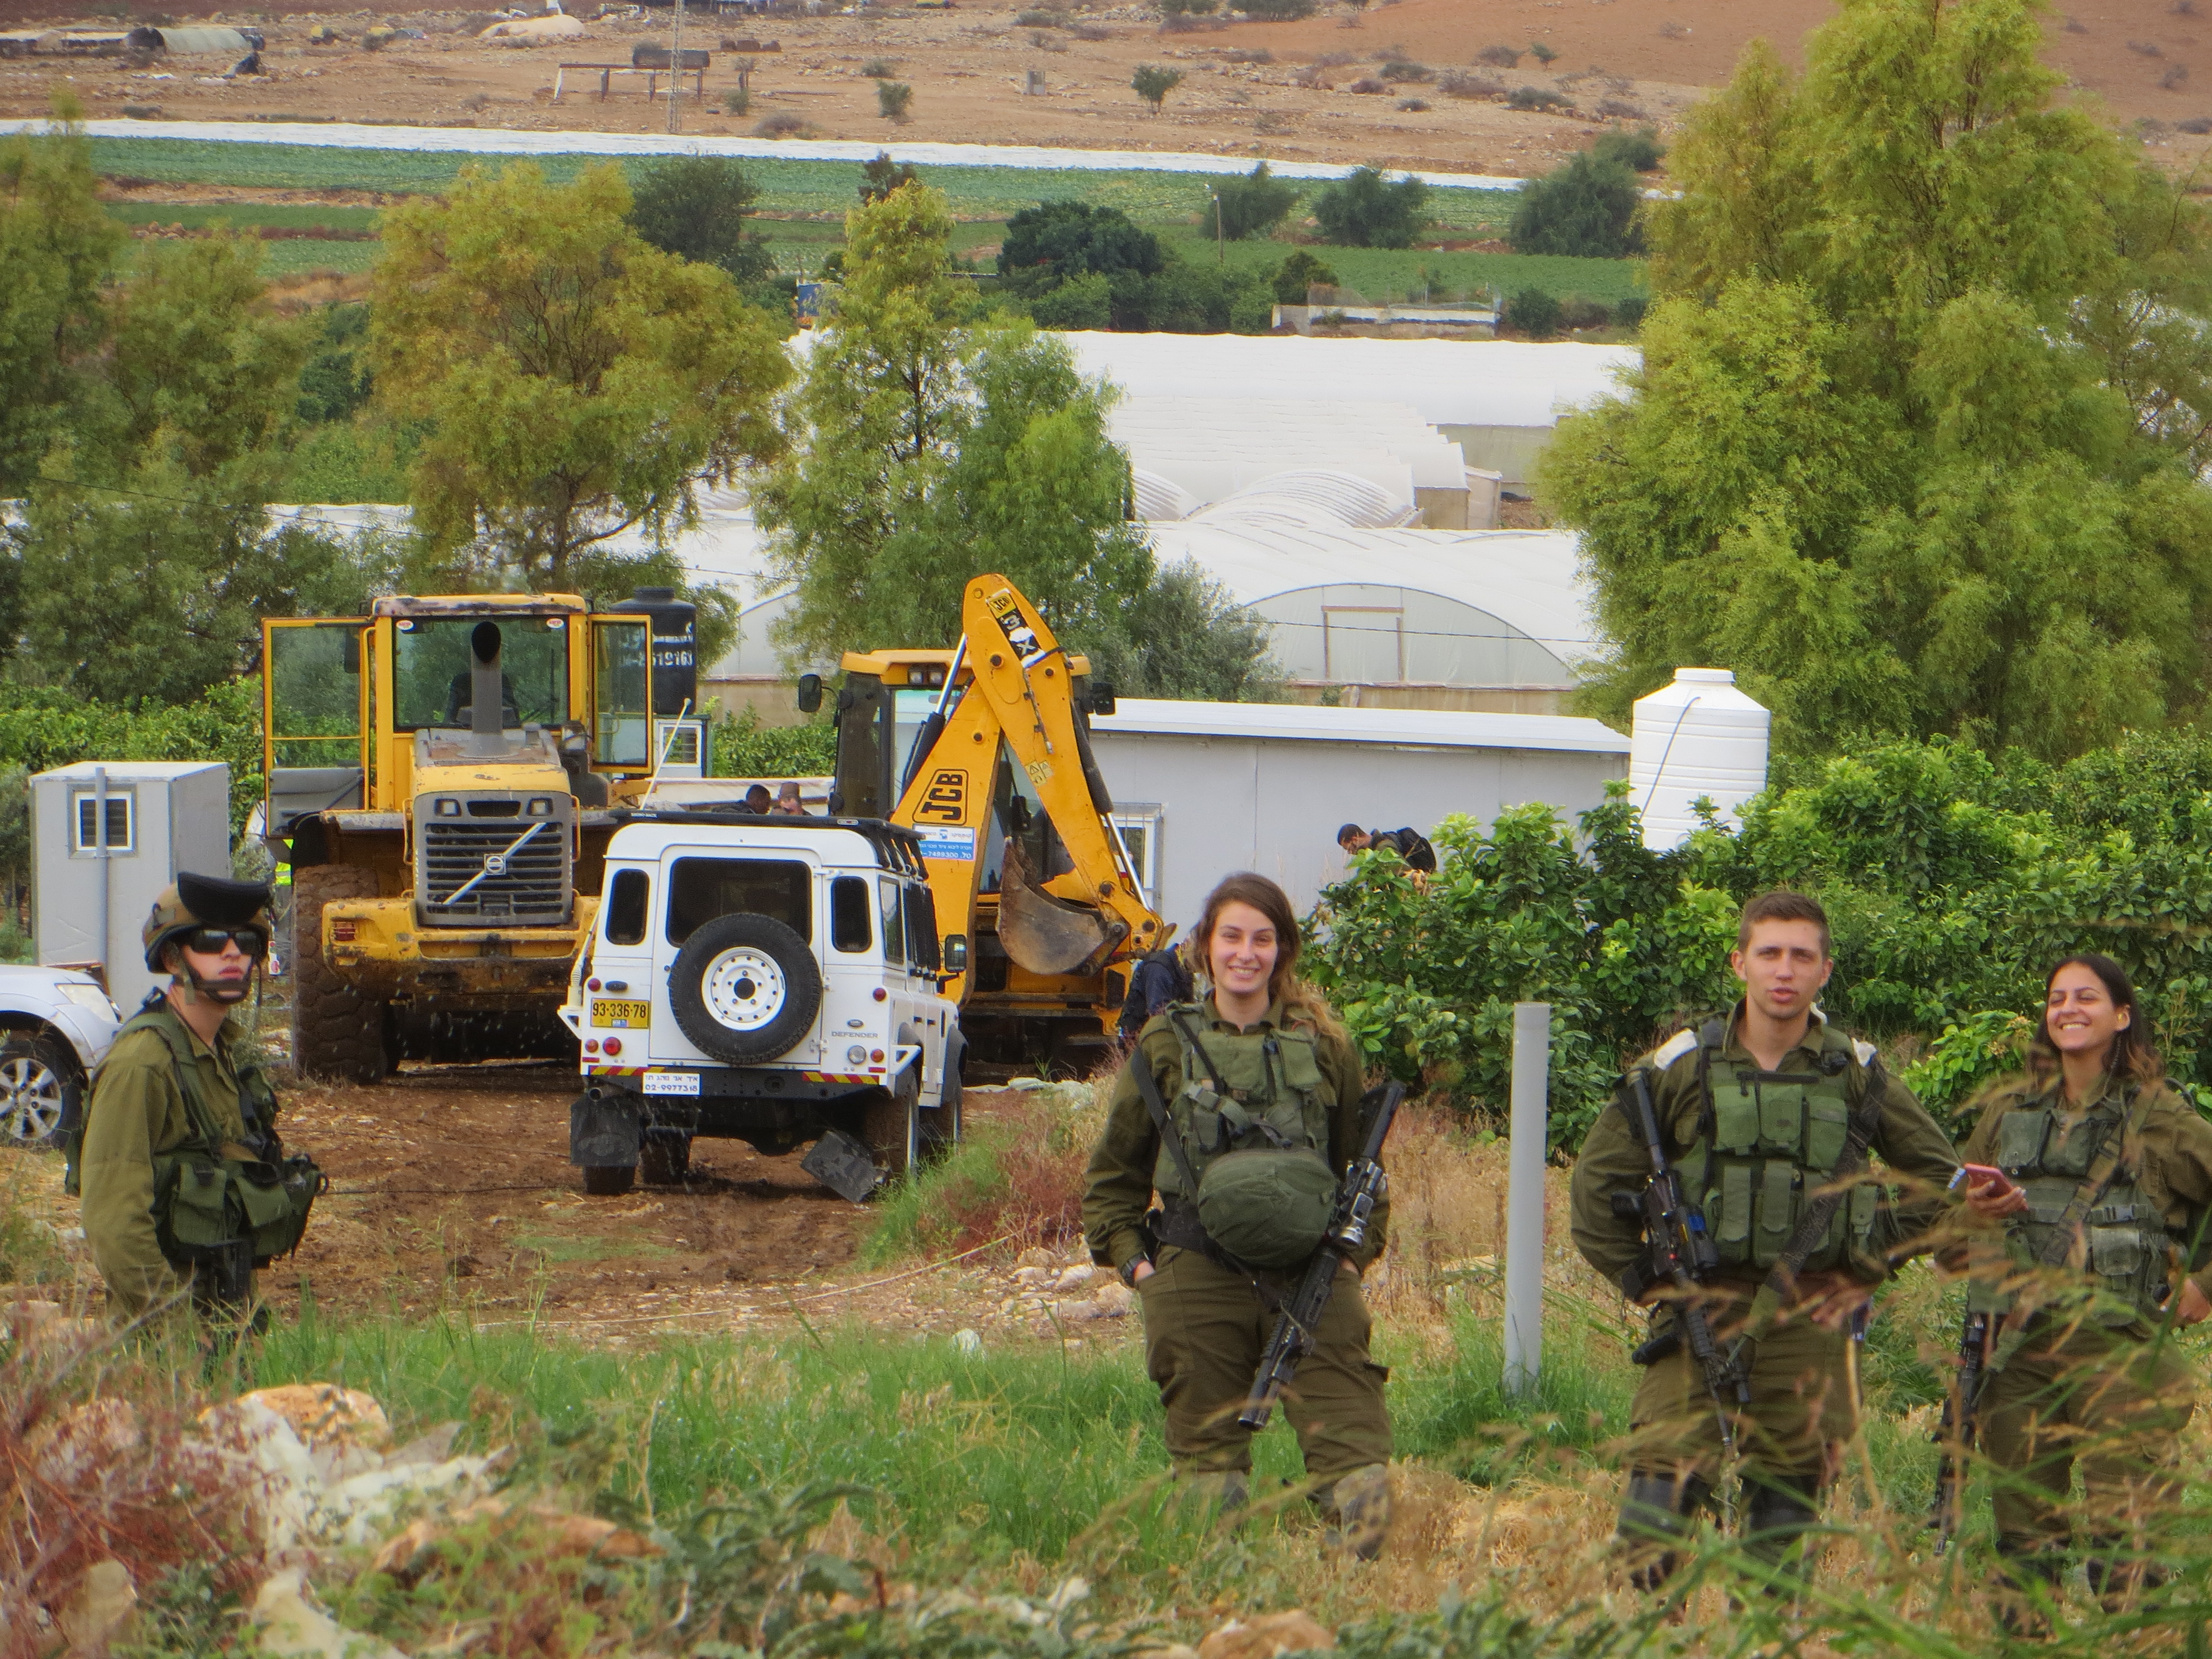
1253 1119
207 1206
2127 1255
1767 1141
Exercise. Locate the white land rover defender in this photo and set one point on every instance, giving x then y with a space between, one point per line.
772 979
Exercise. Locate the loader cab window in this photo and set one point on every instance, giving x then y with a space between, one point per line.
700 889
628 897
849 929
909 710
432 671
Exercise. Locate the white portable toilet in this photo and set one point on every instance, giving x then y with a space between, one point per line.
106 836
1698 737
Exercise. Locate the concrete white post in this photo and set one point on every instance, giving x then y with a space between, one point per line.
1524 1196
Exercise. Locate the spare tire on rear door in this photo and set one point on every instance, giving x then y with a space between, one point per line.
744 989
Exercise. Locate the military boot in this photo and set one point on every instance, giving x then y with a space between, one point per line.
2122 1581
1655 1517
1359 1505
1779 1512
1223 1492
2033 1572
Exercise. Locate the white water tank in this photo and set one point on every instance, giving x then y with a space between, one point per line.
1698 737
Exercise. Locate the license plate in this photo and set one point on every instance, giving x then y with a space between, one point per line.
623 1016
672 1083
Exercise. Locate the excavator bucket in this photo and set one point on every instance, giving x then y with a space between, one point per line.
1047 935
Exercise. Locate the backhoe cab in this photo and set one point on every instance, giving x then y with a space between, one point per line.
985 750
440 774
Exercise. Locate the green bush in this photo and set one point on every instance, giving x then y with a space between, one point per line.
699 207
1253 204
744 748
1153 82
1364 209
1629 312
1639 151
1300 271
1585 210
1531 312
1278 11
892 99
1538 98
1952 882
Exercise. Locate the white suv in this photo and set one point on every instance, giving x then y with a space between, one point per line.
769 979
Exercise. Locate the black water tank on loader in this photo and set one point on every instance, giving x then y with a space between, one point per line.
675 649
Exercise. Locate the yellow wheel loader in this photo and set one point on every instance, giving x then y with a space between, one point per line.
442 780
986 750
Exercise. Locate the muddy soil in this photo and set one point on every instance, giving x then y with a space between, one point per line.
451 1194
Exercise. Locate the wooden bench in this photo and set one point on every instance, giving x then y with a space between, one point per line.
608 71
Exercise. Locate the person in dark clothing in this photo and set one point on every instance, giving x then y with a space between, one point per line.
1157 983
1409 844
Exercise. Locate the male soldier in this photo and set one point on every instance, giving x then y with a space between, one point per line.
184 1181
1757 1115
1409 844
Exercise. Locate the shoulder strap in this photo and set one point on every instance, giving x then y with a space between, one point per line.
197 1109
1190 1042
1149 1087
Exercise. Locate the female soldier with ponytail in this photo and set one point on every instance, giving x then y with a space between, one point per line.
2107 1181
1261 1089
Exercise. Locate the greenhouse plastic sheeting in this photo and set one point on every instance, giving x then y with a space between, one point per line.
492 141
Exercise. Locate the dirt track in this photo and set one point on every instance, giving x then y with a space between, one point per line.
451 1191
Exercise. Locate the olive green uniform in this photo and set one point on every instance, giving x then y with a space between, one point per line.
136 1113
2082 1377
1799 1372
1206 1325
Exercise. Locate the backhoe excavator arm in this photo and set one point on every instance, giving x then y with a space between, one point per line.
1023 693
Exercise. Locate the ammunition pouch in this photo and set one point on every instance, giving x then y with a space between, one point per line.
210 1207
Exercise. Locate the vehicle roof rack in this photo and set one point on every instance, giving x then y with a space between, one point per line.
896 846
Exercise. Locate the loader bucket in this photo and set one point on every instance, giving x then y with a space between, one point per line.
1048 935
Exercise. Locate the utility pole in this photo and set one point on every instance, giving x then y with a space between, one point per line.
676 72
1220 254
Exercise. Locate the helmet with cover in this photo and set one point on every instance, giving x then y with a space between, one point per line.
194 902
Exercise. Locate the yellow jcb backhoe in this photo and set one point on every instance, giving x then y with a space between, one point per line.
986 750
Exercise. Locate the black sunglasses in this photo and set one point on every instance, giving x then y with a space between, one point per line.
252 942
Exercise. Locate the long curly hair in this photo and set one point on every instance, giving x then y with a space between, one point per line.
1284 985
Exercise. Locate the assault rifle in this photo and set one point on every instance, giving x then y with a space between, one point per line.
1682 1254
1956 1436
1362 1186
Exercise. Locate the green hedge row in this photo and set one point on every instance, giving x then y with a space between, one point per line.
1952 882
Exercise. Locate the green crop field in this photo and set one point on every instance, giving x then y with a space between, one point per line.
786 186
807 200
286 215
1385 275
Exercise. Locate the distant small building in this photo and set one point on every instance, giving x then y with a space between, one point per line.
1203 788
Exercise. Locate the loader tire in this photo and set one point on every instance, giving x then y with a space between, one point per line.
336 1031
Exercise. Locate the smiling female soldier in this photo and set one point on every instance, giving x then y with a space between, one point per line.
2108 1178
1261 1088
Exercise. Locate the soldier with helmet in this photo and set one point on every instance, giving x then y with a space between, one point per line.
186 1186
2100 1173
1253 1113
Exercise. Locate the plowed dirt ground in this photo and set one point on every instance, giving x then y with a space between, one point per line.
452 1192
